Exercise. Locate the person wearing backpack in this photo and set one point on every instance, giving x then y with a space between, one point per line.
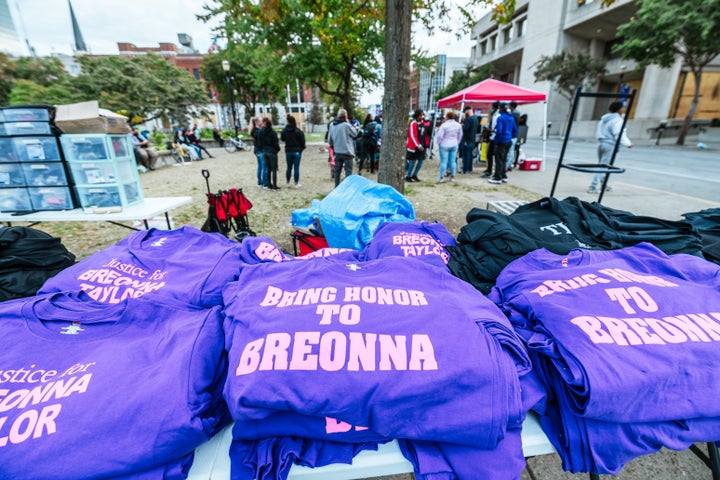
369 143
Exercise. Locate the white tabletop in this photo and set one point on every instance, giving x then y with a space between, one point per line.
212 461
148 208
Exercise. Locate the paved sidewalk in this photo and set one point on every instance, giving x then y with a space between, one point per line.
634 191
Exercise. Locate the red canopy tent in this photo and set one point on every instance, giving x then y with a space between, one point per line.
484 93
488 91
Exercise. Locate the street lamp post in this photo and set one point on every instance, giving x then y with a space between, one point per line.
430 89
226 69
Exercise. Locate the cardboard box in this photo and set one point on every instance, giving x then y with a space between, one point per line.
530 164
88 117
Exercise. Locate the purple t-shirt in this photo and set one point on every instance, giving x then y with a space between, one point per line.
627 334
184 264
90 390
422 240
396 345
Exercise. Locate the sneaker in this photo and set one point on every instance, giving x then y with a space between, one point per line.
452 179
593 190
496 182
485 175
415 178
442 180
408 179
608 188
297 185
504 180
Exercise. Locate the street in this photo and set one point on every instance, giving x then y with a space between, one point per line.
663 181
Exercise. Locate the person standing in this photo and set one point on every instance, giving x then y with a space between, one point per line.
341 138
270 149
368 143
510 161
505 131
608 131
294 139
255 130
522 137
469 129
490 153
415 148
448 138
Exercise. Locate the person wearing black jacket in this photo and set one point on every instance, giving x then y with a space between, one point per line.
294 139
270 148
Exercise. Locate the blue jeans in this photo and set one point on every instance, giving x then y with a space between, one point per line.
467 156
414 167
448 159
261 172
293 162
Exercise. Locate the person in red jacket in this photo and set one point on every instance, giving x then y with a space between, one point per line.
415 149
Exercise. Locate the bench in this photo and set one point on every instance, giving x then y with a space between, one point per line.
506 207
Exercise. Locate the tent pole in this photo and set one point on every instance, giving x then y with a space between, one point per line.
434 127
544 134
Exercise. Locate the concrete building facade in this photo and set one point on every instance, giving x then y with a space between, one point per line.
547 27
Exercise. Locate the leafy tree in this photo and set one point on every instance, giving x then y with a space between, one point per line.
248 76
569 71
146 87
43 71
7 73
664 30
331 44
29 92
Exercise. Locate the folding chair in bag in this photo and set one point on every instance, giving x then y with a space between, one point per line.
227 212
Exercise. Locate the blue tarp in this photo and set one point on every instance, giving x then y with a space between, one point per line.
351 213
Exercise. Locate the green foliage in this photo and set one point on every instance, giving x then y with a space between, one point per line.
568 71
7 73
143 88
248 77
333 45
663 30
158 139
43 71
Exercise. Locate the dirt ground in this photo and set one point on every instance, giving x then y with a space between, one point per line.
271 213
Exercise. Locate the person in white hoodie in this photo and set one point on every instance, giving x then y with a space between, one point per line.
608 131
448 139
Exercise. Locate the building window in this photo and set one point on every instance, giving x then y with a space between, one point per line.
493 43
483 48
507 35
196 73
520 27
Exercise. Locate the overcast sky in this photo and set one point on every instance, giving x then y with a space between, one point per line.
46 24
103 23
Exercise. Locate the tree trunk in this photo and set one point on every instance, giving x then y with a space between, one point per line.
691 113
396 103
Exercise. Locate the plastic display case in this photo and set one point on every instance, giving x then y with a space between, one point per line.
15 200
44 174
51 198
36 149
11 175
103 169
10 129
30 113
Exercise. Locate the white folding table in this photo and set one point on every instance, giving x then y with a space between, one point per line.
212 461
149 208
